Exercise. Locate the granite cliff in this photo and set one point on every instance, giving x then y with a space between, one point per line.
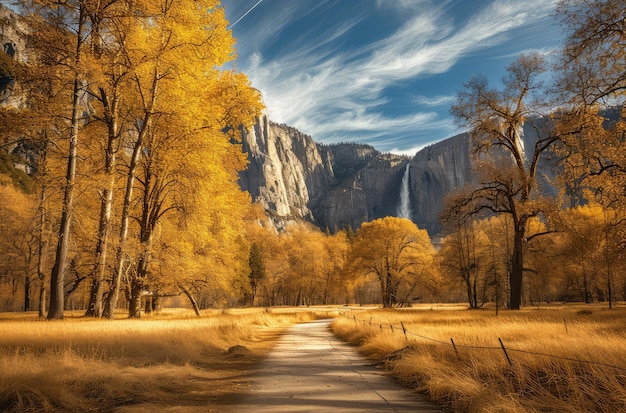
287 172
340 185
436 171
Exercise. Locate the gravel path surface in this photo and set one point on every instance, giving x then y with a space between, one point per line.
312 371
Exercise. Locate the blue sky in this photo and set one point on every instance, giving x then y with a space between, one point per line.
381 72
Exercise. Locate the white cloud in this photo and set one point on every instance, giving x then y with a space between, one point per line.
545 52
412 150
333 96
437 100
403 5
362 121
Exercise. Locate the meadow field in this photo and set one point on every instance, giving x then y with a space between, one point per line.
565 358
568 358
171 362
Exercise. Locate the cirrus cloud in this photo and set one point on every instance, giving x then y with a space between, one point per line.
337 81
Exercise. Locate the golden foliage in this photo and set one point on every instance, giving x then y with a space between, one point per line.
398 254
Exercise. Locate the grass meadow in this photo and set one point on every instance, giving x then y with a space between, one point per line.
562 358
173 361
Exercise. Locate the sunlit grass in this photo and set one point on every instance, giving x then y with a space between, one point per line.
175 358
481 379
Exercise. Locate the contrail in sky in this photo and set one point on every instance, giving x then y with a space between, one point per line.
245 14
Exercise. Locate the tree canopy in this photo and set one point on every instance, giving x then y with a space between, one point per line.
398 254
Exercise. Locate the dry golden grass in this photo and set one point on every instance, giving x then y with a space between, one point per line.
171 361
479 378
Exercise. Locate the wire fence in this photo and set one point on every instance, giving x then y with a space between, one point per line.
397 328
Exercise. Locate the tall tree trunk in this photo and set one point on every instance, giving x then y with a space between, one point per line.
95 306
27 283
42 254
42 300
517 266
134 305
146 224
28 280
113 295
57 278
144 128
137 287
386 283
475 291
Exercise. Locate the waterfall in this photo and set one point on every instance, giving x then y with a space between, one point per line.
404 209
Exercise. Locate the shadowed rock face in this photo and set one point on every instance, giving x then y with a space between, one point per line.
342 185
371 192
435 172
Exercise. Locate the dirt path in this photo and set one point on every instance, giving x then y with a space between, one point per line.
312 371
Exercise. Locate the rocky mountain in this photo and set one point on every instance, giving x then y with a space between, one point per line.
340 185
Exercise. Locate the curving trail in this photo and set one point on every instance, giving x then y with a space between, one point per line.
312 371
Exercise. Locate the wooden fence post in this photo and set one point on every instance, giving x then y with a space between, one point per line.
455 350
505 353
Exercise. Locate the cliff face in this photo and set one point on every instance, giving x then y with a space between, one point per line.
287 171
370 192
342 185
435 172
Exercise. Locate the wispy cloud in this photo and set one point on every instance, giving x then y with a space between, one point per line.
332 95
411 150
543 51
438 100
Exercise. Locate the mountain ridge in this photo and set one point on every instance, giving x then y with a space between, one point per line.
340 185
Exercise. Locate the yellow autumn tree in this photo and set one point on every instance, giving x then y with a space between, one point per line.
592 82
398 254
581 248
465 256
18 265
260 235
594 248
307 260
274 287
59 34
187 114
136 94
188 173
334 289
506 169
